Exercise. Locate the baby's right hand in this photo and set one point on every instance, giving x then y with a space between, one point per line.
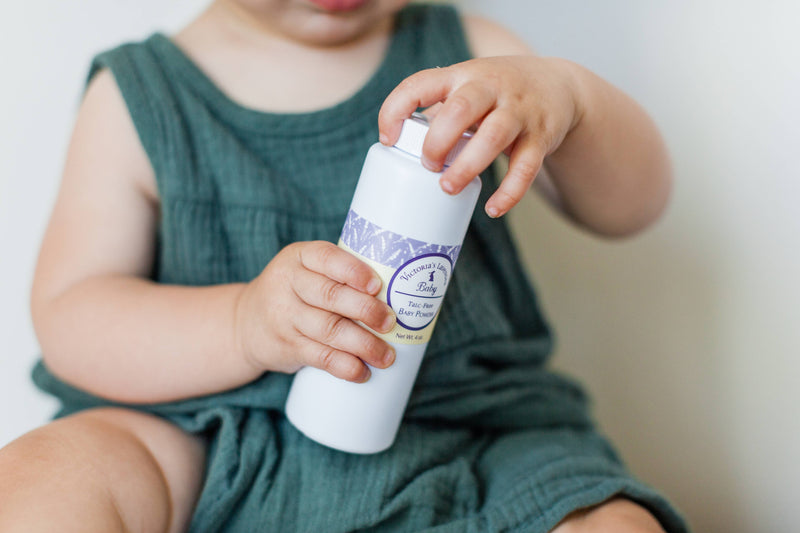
301 311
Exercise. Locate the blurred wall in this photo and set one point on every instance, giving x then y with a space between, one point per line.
686 336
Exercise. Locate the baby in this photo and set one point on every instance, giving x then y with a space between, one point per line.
188 271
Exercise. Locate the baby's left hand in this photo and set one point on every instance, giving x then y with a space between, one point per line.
522 105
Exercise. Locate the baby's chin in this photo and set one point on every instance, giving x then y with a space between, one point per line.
332 29
320 23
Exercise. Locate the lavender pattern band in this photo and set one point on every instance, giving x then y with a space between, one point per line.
386 247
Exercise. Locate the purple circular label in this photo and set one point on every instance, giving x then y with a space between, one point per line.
417 288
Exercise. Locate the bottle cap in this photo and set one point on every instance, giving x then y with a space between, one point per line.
412 136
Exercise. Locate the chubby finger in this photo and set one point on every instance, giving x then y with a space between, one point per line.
331 261
496 132
422 89
523 166
344 335
432 111
336 362
461 110
325 293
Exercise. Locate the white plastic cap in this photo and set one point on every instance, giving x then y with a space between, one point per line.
413 135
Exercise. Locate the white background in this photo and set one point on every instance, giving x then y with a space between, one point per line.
687 336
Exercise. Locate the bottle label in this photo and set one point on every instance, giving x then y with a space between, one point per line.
415 275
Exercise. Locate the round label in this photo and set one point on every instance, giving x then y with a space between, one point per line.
416 289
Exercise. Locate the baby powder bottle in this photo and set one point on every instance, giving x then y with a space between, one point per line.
410 232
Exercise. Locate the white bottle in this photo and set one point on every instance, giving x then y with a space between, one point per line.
409 231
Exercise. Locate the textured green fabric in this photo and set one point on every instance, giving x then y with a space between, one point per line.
491 441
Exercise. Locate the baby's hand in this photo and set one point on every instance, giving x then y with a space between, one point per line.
300 311
521 105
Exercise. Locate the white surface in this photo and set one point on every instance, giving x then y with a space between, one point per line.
409 210
412 138
354 417
396 193
686 336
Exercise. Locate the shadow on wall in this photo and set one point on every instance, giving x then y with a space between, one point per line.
637 321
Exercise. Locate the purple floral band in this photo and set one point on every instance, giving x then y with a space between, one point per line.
386 247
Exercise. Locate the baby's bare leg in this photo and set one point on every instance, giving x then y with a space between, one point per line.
101 470
618 515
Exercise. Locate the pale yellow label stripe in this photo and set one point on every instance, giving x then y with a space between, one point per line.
399 334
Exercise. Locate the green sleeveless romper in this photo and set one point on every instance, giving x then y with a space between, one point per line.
491 440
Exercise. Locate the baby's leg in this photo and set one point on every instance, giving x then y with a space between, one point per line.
618 515
101 470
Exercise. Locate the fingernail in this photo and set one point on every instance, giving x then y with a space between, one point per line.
493 212
427 164
447 186
389 357
388 323
365 377
383 138
374 285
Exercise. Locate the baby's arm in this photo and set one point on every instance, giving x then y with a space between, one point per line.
103 326
606 165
